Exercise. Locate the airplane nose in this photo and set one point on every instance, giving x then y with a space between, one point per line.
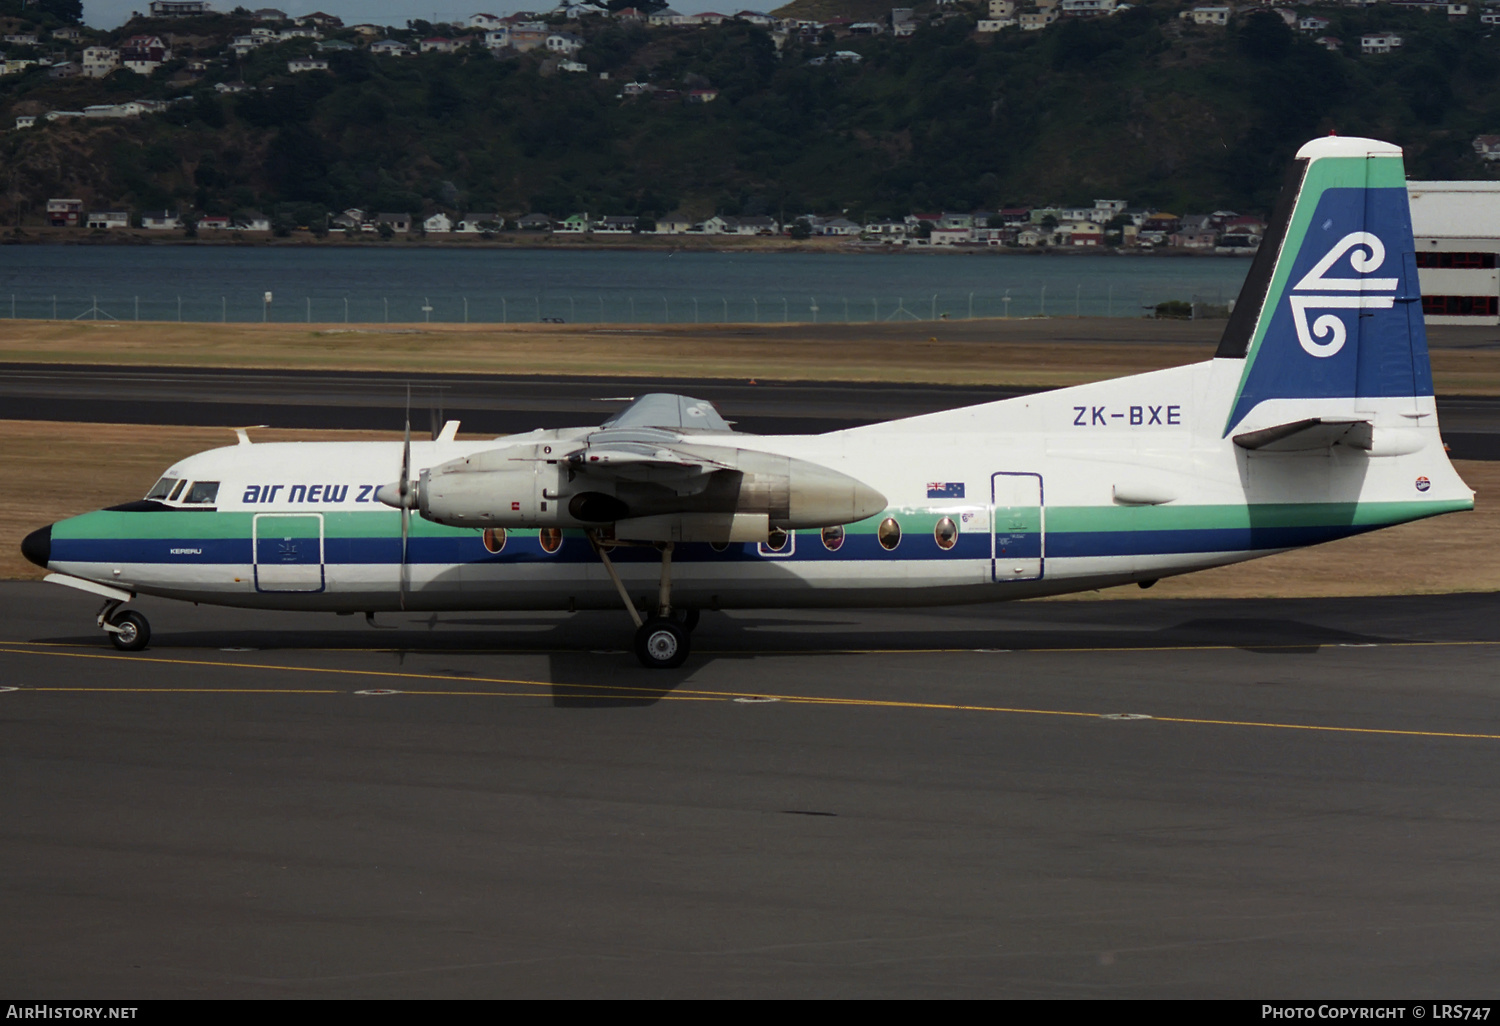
37 546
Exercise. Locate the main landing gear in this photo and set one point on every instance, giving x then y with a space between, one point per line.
128 630
661 642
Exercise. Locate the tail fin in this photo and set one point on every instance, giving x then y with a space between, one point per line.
1332 306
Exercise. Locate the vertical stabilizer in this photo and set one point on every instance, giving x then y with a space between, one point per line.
1332 306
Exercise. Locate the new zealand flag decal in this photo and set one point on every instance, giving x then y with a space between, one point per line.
945 490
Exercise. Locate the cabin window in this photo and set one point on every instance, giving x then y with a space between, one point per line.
203 493
494 539
833 537
551 538
889 533
176 491
946 534
776 540
162 488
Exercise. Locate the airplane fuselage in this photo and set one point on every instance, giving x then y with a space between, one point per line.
1122 481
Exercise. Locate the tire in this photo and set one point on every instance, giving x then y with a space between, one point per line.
134 633
661 644
689 620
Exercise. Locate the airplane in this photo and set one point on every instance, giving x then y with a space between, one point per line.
1314 420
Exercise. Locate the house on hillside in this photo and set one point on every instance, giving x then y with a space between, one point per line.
439 223
161 220
301 64
398 222
673 224
564 42
535 223
1207 15
251 221
1379 42
179 8
99 61
64 213
390 47
476 223
144 54
108 219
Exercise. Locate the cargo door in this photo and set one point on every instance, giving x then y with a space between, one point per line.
1018 541
288 552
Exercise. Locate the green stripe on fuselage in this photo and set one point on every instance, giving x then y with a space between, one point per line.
186 526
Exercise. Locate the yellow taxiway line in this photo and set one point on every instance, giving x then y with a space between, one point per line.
625 691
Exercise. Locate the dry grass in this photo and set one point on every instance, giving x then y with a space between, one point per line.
1040 352
58 470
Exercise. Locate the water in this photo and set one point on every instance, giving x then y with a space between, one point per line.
395 285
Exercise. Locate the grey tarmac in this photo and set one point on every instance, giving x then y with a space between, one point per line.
1289 799
503 404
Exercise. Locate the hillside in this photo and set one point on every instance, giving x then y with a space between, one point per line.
1141 106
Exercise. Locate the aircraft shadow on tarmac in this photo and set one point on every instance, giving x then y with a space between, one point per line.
591 665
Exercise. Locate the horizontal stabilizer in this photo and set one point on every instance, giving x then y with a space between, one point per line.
1307 435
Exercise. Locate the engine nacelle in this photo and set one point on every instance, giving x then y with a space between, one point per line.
501 488
536 486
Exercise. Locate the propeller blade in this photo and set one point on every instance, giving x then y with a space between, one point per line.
404 489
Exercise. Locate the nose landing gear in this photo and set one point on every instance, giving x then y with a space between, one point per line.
128 630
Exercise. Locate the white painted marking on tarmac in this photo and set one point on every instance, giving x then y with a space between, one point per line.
239 649
755 700
1123 716
9 689
991 650
379 691
1358 644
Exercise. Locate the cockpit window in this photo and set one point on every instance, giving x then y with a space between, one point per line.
176 491
162 488
203 493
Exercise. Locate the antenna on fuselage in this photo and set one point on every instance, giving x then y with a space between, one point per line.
242 432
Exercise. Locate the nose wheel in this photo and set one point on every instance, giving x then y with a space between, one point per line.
128 630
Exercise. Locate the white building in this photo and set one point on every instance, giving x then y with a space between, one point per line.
1379 42
1456 226
109 219
99 61
306 64
1207 15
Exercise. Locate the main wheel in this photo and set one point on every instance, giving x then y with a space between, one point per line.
661 644
134 632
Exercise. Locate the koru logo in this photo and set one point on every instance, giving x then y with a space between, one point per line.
1328 333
